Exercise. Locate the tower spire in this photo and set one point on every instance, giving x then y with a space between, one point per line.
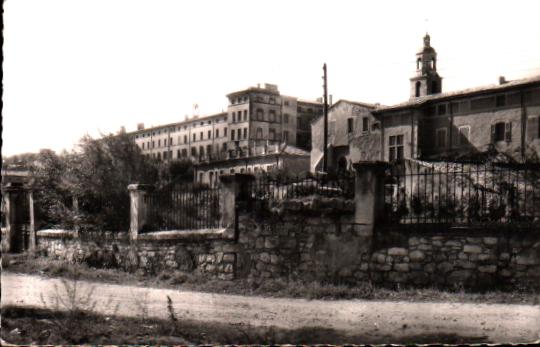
426 80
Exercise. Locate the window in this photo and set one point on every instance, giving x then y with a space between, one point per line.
286 103
501 131
286 118
285 136
178 154
418 63
224 147
184 152
185 138
272 116
272 134
441 110
194 137
232 135
234 117
365 124
245 115
201 151
463 135
202 136
164 155
217 132
231 171
441 137
350 125
143 145
260 114
245 133
209 134
417 89
225 131
159 156
434 87
500 101
159 143
259 134
208 149
395 148
153 144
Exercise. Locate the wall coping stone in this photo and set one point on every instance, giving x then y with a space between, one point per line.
200 234
56 233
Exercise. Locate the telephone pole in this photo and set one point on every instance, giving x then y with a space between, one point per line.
325 145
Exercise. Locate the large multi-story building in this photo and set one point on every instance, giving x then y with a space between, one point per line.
432 125
257 118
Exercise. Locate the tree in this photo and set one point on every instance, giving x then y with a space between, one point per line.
95 176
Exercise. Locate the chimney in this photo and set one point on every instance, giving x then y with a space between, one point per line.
502 80
140 126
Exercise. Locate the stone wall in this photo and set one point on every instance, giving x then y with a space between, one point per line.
205 253
306 242
470 258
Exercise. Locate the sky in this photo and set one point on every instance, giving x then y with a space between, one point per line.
89 67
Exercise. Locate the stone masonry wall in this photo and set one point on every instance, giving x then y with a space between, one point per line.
323 244
203 256
472 258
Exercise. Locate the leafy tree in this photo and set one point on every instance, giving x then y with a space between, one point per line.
93 178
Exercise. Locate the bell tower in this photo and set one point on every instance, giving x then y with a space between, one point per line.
426 80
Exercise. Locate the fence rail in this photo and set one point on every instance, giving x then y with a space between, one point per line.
462 193
183 207
286 187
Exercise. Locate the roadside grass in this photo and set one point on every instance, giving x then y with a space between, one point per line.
524 294
26 326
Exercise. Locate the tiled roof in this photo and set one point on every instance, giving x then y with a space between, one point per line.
464 92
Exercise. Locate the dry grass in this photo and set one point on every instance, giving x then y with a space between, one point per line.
524 294
25 326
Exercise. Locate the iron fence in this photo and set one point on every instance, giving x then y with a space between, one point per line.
267 187
462 193
182 207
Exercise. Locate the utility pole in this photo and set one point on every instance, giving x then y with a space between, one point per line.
325 145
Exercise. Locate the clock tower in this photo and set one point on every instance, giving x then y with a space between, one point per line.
426 80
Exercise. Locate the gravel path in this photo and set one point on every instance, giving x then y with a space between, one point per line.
494 322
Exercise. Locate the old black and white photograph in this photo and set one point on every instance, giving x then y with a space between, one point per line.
270 172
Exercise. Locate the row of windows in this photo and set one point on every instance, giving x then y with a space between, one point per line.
490 102
214 175
350 125
237 116
179 128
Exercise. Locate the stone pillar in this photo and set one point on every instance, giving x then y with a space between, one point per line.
32 224
138 212
9 196
234 188
369 194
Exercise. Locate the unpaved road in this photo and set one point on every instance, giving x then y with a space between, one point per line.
394 320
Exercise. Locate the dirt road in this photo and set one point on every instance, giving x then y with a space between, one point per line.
494 322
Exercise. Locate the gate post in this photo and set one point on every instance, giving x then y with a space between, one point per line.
234 188
32 223
369 194
9 196
138 210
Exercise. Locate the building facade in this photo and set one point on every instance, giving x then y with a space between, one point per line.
353 135
432 125
257 118
260 160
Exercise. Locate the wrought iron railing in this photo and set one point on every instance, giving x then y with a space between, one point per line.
268 187
462 193
182 207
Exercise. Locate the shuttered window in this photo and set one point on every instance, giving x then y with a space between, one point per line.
501 132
